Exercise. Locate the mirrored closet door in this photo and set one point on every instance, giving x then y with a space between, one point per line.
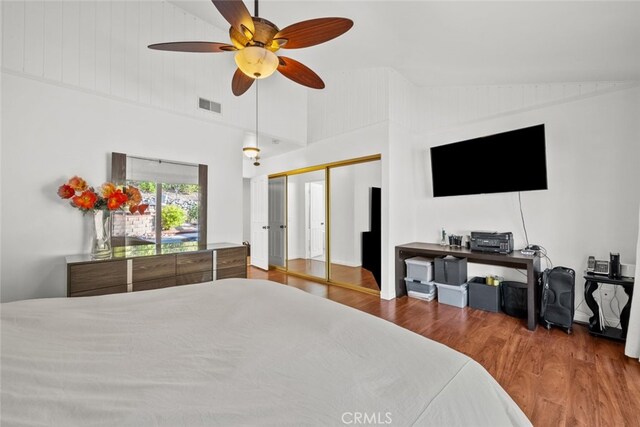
277 222
355 223
306 217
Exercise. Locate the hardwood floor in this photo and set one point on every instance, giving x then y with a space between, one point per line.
557 379
342 273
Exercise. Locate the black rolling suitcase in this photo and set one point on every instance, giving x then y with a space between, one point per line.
557 305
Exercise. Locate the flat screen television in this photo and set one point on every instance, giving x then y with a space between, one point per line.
508 161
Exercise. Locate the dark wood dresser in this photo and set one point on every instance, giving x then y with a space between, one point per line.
139 268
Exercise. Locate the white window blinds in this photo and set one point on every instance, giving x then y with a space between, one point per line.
167 172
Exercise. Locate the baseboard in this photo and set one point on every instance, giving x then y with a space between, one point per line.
579 316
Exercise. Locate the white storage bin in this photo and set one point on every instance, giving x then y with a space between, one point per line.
425 297
421 290
455 295
419 268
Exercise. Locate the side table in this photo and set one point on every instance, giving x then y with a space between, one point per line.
592 282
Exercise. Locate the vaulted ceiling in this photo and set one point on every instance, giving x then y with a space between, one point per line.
467 43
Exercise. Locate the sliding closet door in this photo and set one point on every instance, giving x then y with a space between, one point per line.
277 221
306 222
355 223
260 222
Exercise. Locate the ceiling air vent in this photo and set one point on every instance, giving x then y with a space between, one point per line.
205 104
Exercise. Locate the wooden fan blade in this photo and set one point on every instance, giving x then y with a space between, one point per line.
200 47
240 83
313 32
236 14
299 73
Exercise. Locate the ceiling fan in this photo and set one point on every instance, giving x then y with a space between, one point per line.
255 41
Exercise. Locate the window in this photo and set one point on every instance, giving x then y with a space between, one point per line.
176 195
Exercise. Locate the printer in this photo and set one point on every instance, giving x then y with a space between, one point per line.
492 241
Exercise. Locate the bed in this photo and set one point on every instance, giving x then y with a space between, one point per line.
232 352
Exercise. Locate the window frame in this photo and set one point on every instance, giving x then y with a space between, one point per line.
119 177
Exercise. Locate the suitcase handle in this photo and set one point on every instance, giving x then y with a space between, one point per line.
545 293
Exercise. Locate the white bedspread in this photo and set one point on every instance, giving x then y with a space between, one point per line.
232 352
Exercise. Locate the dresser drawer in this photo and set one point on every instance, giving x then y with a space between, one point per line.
232 257
164 282
153 267
194 263
226 273
102 291
191 278
97 275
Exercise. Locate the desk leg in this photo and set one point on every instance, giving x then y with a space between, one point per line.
594 321
532 284
401 288
624 314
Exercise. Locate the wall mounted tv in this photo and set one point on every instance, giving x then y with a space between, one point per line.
508 161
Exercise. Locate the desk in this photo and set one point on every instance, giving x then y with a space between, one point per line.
531 263
592 282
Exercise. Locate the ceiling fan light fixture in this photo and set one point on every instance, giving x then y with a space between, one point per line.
256 62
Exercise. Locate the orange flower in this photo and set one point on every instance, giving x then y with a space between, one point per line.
134 195
138 208
117 199
66 192
77 183
86 200
108 188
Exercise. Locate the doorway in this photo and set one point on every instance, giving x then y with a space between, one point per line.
315 218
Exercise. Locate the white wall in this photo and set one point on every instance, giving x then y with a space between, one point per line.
246 210
101 47
590 208
50 133
352 100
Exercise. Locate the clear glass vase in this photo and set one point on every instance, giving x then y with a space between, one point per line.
101 245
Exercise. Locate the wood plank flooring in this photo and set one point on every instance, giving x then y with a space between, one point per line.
557 379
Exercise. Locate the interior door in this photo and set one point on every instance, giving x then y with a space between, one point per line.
316 221
260 222
277 220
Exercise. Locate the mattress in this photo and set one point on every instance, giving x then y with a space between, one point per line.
232 352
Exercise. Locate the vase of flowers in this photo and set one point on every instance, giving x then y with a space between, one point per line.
100 204
101 245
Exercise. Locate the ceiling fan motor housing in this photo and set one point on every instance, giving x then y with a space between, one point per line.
262 36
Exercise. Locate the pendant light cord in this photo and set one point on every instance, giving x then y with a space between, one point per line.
257 112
